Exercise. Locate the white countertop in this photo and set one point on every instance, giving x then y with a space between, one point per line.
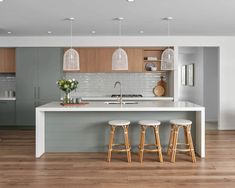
128 98
141 106
7 98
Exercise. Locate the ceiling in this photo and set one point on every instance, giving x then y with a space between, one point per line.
191 17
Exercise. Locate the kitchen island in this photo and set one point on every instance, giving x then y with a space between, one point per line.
84 128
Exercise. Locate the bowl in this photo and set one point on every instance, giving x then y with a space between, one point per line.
153 68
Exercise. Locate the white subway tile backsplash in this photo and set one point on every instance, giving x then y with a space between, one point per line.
102 84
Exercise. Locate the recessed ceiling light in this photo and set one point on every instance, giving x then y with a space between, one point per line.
130 0
9 32
93 32
118 19
141 31
49 32
70 19
167 18
1 0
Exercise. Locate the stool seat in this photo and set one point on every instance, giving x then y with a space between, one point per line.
182 122
119 122
149 122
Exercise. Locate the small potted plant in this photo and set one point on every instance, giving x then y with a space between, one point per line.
67 86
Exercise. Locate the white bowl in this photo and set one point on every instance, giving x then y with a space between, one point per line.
153 68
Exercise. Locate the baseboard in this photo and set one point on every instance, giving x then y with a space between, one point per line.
17 127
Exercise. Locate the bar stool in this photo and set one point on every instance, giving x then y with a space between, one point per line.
158 149
123 124
172 147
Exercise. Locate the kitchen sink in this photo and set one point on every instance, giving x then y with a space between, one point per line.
123 102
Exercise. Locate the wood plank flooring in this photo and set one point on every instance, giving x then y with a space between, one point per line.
19 168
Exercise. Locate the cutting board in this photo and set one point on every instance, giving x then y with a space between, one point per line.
160 89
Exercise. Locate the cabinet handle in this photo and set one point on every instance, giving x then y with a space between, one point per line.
38 92
35 93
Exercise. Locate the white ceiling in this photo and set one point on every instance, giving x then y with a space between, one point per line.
191 17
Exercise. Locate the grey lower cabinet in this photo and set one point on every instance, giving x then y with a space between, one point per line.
37 70
7 113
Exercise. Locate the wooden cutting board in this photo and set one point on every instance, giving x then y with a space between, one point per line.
160 89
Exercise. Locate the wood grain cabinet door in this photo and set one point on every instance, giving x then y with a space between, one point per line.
104 59
135 59
7 60
87 60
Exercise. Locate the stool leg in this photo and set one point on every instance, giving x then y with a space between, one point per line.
127 144
142 140
191 144
174 147
158 143
169 150
186 138
111 137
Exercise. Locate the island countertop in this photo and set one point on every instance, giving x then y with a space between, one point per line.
140 106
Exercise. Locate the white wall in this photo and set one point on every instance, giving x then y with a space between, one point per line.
226 59
188 56
211 83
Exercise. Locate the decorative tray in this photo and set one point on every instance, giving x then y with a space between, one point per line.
77 104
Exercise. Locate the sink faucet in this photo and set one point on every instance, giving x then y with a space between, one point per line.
117 82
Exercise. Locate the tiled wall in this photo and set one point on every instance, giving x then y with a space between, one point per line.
7 82
102 84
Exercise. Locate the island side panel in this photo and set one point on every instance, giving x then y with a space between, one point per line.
200 133
40 133
89 131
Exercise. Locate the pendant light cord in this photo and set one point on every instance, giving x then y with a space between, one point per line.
120 31
168 30
71 33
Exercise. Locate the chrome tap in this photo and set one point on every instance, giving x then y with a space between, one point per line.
117 82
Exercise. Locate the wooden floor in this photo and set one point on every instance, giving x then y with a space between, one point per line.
19 168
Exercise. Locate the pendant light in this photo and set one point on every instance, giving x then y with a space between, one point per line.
71 56
167 59
119 57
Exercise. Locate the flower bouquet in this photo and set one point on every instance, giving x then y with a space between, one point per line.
67 86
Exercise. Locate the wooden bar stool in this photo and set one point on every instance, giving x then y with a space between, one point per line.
123 124
172 147
158 149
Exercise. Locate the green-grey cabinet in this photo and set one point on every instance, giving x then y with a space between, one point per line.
7 112
37 70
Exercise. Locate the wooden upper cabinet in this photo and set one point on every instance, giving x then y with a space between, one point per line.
87 59
7 60
104 59
99 59
135 59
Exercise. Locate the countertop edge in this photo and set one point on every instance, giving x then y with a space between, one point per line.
180 106
7 98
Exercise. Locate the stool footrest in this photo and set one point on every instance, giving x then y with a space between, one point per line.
183 150
152 150
120 150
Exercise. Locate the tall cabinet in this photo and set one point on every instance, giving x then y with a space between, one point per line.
37 70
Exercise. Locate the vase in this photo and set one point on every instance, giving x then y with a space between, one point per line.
66 98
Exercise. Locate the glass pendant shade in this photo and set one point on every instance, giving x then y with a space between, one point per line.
119 60
167 59
71 60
